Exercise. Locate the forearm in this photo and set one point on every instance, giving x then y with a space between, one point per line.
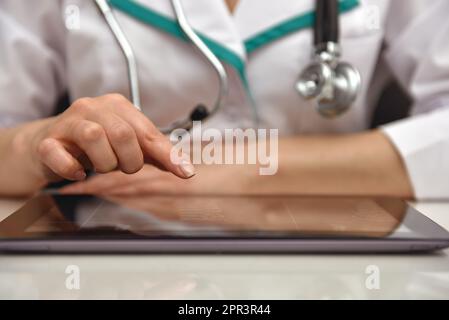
364 164
19 172
354 164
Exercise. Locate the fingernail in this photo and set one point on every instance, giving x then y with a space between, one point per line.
80 175
187 168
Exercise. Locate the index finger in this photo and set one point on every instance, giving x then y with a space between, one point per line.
156 147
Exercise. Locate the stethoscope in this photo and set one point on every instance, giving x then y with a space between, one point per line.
334 85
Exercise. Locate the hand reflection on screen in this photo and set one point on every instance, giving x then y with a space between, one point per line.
323 216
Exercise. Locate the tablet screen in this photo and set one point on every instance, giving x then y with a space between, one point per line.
217 217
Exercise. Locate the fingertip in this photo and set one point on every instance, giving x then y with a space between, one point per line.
187 169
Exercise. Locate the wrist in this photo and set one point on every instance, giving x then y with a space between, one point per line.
25 143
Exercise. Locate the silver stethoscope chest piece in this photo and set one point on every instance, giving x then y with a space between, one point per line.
331 84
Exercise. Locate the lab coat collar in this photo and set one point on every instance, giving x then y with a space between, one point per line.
210 18
231 36
280 18
256 16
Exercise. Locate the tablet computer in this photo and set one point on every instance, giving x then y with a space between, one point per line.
191 224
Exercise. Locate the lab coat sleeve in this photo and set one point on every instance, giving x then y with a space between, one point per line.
31 59
418 53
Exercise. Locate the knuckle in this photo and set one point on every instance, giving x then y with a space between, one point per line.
149 134
82 105
91 132
116 98
160 143
121 132
45 147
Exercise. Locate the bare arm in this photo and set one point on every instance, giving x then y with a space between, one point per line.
19 173
354 164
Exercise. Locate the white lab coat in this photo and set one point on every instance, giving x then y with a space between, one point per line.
41 59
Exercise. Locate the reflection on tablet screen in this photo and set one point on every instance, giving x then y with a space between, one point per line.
171 216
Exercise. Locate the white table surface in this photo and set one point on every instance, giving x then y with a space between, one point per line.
228 276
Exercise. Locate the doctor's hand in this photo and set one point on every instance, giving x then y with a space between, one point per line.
106 134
